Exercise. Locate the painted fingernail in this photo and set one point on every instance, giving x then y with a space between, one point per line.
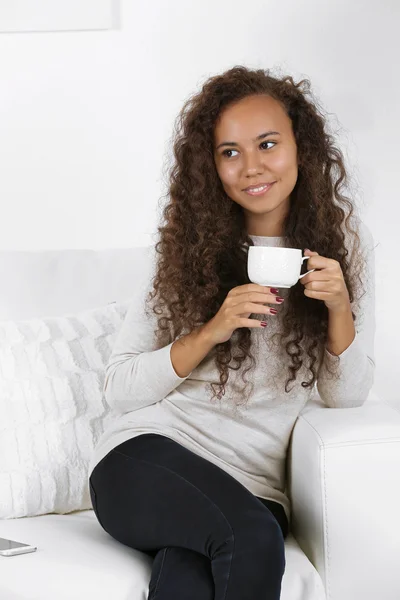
274 291
279 299
273 311
263 323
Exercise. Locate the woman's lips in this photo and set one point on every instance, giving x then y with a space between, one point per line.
261 192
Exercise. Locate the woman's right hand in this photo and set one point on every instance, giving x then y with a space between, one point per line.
239 304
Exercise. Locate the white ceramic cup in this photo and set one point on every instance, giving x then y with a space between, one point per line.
274 266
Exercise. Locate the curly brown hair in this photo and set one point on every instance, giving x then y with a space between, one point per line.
200 252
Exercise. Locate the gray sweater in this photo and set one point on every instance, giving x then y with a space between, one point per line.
249 443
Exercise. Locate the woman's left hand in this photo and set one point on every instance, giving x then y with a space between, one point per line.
327 283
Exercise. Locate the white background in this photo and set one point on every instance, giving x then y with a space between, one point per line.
86 119
55 15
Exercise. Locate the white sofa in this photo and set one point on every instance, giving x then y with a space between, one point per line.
343 469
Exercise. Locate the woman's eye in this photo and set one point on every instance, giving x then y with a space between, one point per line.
268 142
224 153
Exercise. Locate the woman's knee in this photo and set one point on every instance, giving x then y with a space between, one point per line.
262 537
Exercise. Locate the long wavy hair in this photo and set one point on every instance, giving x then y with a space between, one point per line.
202 250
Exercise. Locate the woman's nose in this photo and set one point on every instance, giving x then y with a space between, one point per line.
253 164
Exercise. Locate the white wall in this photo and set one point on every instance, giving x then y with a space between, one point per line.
86 119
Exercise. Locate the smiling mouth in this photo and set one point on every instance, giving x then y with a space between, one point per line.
260 190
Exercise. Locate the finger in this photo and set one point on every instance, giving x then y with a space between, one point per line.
323 275
318 295
319 262
321 287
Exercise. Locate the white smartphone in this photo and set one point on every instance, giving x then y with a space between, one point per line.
11 548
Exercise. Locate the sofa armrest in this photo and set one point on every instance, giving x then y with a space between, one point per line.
343 480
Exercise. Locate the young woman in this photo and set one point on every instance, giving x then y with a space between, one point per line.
192 470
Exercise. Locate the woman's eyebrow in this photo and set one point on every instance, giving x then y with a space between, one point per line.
259 137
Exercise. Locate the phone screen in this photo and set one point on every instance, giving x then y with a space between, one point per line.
9 544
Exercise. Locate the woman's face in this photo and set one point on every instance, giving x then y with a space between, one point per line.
247 155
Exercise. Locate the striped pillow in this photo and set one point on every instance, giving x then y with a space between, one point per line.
52 409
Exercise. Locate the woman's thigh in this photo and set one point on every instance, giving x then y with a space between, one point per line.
146 471
152 493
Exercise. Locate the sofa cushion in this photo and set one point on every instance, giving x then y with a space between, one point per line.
77 559
52 409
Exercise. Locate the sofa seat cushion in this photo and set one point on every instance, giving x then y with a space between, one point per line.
77 559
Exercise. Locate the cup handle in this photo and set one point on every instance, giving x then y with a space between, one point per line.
304 274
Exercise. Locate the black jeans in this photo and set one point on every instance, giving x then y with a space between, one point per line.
210 537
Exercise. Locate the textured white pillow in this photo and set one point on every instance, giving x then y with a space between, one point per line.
52 409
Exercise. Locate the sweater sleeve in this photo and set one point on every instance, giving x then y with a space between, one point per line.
356 364
138 374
